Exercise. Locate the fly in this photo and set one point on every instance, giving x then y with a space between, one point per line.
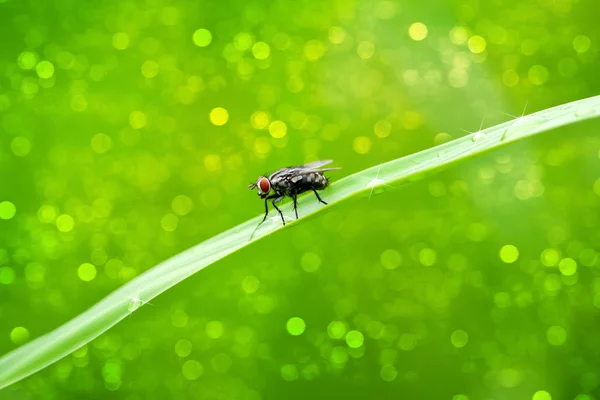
291 182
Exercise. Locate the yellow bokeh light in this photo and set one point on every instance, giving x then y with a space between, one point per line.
427 257
138 119
313 50
86 272
29 86
261 50
509 253
510 78
541 395
120 41
458 78
477 44
202 37
79 103
182 205
19 335
262 146
212 162
65 223
417 31
458 35
192 370
259 120
7 275
169 222
183 348
101 143
296 326
567 266
7 210
390 259
295 84
20 146
278 129
337 34
27 60
550 257
219 116
382 128
243 41
459 338
581 43
250 284
538 75
150 69
355 339
214 329
45 69
362 145
365 50
46 214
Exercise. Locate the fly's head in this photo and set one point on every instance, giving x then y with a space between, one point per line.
263 185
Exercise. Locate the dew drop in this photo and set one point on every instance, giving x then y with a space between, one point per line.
134 304
373 183
522 126
477 136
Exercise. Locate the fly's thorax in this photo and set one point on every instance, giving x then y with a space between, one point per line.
281 185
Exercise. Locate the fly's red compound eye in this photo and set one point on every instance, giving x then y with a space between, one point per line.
264 185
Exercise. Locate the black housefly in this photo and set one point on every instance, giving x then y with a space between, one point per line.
291 182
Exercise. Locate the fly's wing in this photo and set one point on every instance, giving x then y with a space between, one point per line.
315 164
286 173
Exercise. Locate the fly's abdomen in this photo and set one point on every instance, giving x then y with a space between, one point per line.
305 182
319 181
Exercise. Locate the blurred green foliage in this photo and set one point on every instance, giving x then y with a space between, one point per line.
130 130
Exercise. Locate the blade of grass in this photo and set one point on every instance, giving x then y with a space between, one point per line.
49 348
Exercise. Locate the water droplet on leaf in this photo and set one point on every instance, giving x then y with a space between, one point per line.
478 136
134 304
522 126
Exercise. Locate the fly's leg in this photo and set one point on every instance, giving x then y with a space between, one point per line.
319 197
279 198
295 197
273 196
266 211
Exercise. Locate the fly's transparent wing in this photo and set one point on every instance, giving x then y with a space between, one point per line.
287 173
315 164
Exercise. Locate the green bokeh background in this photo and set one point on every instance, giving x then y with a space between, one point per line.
482 282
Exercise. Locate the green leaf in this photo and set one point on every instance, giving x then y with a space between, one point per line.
49 348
